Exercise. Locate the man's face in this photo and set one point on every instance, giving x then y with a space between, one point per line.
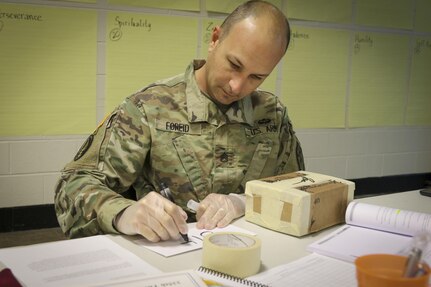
240 62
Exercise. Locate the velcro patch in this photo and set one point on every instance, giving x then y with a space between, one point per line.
84 148
178 127
261 126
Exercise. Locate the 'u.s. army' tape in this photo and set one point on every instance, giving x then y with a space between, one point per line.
232 253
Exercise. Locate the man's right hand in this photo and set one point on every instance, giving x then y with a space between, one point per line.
154 217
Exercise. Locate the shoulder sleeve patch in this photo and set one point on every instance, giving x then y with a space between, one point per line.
85 146
89 153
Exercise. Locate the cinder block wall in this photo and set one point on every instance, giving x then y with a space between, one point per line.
29 168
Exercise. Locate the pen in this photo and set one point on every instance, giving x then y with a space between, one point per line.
412 264
166 193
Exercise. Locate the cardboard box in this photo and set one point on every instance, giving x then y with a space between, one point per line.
298 203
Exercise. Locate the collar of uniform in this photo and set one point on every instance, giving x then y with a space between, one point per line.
202 109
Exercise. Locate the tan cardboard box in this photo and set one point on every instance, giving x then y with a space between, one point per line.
298 203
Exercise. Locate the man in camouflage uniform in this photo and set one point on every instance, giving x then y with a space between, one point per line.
203 134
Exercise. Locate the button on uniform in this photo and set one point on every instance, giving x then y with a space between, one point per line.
224 157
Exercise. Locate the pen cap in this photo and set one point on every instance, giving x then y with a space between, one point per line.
381 270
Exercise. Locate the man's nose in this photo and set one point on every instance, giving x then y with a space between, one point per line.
236 84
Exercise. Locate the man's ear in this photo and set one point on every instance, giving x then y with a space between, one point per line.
215 38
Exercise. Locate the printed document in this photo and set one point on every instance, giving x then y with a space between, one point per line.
374 229
76 262
187 278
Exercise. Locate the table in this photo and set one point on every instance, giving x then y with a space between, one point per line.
277 248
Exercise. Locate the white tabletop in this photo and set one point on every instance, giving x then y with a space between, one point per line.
277 248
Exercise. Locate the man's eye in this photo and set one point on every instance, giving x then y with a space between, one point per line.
258 78
233 65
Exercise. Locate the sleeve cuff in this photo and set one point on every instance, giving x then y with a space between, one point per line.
108 212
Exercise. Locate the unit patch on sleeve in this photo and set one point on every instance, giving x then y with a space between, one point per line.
85 146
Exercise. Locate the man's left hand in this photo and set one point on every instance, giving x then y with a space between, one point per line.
218 210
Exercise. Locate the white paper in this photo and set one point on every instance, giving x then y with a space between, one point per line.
388 219
349 242
374 229
312 270
174 247
187 278
76 262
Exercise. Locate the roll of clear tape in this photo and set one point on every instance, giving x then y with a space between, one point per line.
233 253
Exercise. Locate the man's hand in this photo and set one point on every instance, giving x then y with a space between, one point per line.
218 210
154 217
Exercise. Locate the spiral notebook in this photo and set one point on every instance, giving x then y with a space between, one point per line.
214 278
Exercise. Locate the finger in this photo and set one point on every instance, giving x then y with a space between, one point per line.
181 221
152 214
200 210
158 226
184 214
203 206
205 220
212 222
148 233
169 225
174 221
162 222
225 220
150 221
199 215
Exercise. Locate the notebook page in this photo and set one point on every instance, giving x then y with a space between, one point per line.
312 270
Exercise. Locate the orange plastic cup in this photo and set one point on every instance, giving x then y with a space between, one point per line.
384 270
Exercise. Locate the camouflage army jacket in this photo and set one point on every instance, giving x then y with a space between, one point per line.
171 133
